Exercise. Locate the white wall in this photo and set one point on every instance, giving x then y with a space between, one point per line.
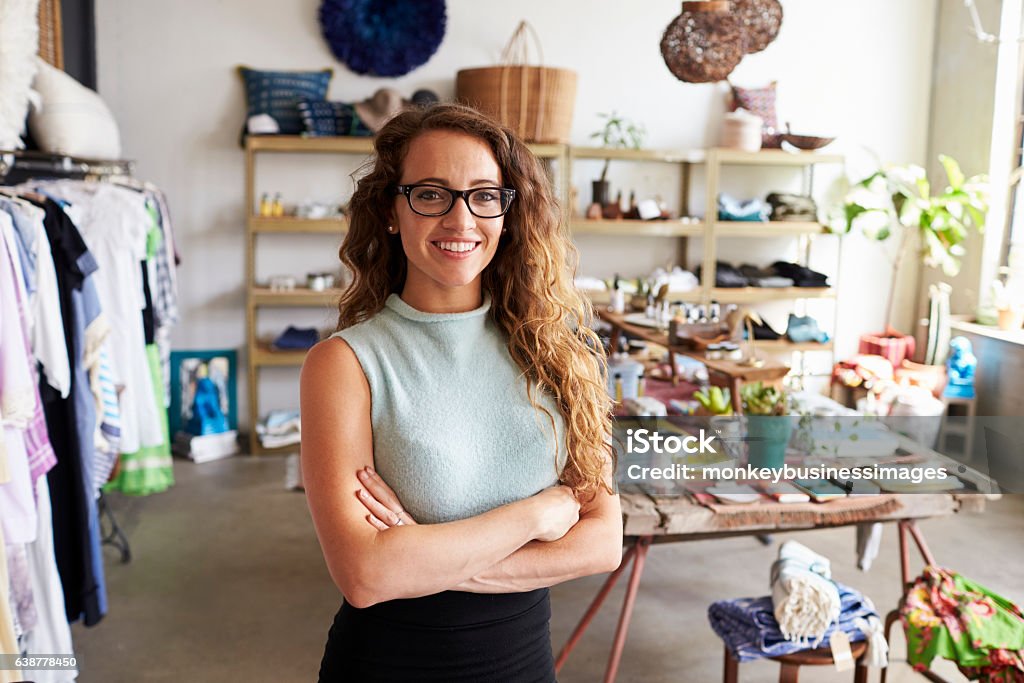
962 109
859 70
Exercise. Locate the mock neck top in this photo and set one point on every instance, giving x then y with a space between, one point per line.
454 431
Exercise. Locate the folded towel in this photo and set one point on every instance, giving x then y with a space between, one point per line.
750 631
732 209
805 598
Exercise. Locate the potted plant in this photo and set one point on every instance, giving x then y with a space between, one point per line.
617 132
768 427
895 202
716 401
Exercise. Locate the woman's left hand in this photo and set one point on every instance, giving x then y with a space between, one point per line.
385 509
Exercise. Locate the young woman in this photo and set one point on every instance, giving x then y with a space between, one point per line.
455 430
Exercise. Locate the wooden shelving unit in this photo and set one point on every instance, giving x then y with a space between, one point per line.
259 296
260 354
711 230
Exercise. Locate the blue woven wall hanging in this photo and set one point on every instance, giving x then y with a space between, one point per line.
383 37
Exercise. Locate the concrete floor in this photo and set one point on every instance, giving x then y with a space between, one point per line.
227 583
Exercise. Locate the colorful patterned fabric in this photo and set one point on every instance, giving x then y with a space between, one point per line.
165 284
278 93
749 630
326 119
947 615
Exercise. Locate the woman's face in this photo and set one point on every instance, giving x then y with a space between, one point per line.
446 254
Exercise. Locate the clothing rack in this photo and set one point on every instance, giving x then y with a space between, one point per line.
30 164
35 164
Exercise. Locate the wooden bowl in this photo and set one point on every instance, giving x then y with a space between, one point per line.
806 142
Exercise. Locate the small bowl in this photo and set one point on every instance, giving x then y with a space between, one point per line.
806 142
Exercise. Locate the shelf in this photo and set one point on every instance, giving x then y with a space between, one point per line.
299 143
742 295
601 297
772 157
265 356
693 156
669 228
547 150
769 229
294 224
256 448
780 345
300 296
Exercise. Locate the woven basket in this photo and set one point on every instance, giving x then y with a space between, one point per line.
534 101
51 47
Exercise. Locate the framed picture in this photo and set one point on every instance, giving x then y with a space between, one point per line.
187 369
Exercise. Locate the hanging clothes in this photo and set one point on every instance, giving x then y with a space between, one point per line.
71 424
8 641
52 633
114 223
17 401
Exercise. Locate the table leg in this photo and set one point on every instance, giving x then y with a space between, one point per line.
737 401
731 669
642 545
595 606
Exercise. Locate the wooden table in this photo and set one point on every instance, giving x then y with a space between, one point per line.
723 373
651 519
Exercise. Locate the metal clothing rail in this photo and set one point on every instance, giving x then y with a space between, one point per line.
61 165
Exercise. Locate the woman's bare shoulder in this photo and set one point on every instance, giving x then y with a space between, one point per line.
332 362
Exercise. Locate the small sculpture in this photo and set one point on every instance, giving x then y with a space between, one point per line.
960 367
207 416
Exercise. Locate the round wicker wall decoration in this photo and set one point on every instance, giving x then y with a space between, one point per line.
704 43
760 21
383 37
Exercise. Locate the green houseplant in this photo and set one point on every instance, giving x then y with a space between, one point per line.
768 428
618 132
896 203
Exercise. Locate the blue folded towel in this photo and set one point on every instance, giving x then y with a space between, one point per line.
750 631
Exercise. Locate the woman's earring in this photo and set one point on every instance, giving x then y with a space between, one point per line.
391 229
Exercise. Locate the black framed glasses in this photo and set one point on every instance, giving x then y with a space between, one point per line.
436 200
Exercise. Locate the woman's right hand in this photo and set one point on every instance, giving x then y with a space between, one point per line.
557 510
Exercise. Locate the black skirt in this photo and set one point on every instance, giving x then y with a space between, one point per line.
453 637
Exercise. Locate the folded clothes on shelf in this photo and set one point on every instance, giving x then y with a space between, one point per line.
726 275
802 276
763 277
804 328
296 339
751 210
279 428
792 207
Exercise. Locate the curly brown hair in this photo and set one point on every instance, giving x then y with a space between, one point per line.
530 280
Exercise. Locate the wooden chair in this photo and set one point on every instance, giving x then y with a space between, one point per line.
789 672
908 532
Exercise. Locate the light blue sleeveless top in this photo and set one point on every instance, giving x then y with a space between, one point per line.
454 432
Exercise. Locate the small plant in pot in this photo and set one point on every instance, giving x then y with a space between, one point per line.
896 202
617 132
768 424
